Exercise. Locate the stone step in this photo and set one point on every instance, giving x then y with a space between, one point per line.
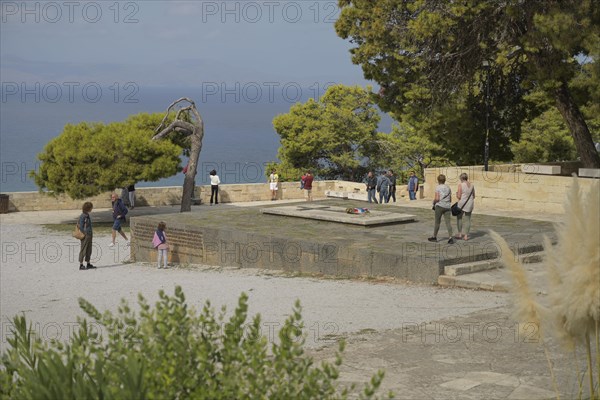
485 265
473 281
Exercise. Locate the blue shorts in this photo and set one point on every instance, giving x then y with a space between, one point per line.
117 225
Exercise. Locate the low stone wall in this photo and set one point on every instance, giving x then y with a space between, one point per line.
507 188
162 196
504 187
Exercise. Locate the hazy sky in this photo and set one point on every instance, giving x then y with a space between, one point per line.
174 43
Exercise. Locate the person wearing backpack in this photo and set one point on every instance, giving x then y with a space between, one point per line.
119 213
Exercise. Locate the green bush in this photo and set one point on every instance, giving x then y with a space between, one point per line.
170 352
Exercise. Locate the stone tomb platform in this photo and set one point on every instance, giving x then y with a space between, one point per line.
339 214
245 237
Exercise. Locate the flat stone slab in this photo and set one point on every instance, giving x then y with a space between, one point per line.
339 214
589 172
541 169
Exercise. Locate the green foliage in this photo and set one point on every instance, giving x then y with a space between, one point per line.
91 158
428 57
545 139
332 136
170 352
404 149
285 172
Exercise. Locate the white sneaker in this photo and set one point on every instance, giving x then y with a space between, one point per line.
111 245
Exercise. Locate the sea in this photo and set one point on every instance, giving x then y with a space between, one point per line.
239 138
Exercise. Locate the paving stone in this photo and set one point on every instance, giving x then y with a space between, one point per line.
526 392
461 384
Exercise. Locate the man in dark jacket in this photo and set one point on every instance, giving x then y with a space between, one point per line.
371 186
392 191
119 212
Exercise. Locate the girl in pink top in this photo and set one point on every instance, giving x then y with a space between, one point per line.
160 243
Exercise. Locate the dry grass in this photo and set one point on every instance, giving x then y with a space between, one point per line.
573 314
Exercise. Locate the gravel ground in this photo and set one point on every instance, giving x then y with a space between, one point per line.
39 277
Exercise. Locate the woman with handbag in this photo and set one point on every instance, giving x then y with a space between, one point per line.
85 226
466 202
441 206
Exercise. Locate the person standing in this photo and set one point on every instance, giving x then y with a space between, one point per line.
273 183
159 241
392 190
85 226
308 181
413 185
441 205
466 202
131 191
119 212
214 187
383 187
371 187
125 195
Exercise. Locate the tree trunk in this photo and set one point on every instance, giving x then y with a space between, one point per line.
196 133
579 129
189 182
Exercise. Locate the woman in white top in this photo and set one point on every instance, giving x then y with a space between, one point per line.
441 205
466 202
214 187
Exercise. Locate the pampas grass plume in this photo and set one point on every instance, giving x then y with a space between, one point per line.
573 267
527 309
574 263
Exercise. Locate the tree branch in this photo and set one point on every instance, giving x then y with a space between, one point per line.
191 106
181 125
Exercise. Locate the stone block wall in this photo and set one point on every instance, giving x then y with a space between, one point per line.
507 188
186 245
503 187
163 196
226 246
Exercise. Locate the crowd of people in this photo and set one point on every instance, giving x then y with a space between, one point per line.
119 212
385 185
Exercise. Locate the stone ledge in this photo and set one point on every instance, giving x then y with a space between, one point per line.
589 172
541 169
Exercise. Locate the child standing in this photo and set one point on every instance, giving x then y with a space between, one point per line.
160 243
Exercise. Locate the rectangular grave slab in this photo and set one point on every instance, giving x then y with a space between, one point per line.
339 215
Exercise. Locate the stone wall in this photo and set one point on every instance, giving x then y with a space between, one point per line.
186 245
223 244
507 188
162 196
503 187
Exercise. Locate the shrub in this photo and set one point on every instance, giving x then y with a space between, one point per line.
170 352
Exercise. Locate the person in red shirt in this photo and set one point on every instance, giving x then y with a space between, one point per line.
308 181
